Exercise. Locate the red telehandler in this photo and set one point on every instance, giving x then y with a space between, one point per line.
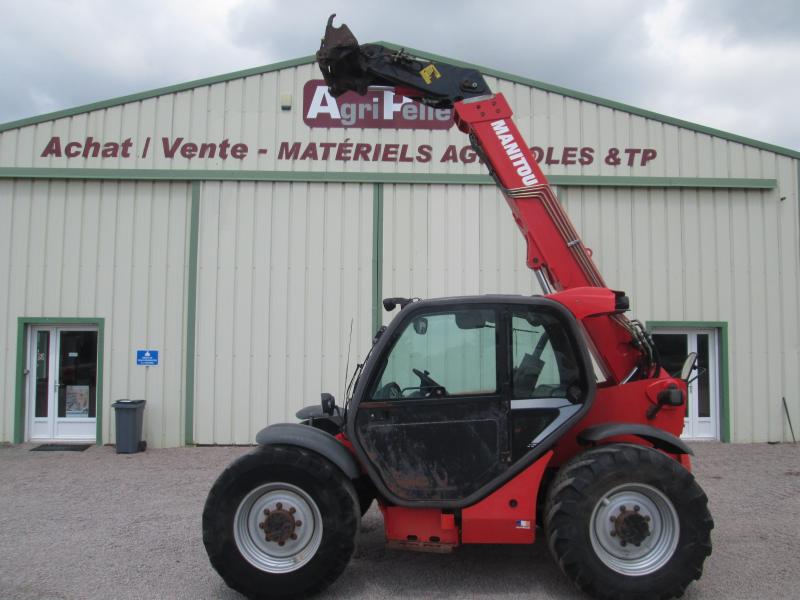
475 420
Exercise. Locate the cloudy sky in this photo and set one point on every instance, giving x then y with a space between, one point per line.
729 64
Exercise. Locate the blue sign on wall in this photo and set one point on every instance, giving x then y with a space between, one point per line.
147 358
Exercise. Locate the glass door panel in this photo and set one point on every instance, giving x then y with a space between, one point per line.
42 373
77 374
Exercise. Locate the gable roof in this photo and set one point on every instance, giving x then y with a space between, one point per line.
422 54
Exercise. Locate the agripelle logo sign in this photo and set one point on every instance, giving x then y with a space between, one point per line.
378 109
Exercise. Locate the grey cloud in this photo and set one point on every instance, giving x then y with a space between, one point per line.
744 20
57 55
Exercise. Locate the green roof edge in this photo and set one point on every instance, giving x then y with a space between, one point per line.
170 89
422 54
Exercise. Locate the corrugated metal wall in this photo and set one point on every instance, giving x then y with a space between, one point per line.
283 267
450 240
283 270
114 250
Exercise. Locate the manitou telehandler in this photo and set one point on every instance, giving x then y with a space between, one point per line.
475 420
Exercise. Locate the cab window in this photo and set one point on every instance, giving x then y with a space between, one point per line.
442 354
543 360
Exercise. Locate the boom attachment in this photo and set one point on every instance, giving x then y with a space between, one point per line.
346 66
555 252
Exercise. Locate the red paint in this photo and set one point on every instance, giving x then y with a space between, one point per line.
419 526
508 515
626 403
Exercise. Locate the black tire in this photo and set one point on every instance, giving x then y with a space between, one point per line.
302 480
600 492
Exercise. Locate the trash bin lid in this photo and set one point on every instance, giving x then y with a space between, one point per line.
128 403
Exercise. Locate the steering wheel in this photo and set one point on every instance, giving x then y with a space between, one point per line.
428 383
390 391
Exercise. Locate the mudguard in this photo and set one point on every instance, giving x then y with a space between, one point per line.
660 439
311 438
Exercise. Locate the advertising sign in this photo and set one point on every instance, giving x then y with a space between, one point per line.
378 109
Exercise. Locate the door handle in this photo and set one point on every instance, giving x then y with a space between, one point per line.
377 415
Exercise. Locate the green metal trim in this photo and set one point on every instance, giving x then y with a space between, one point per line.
19 388
663 182
377 255
181 87
724 387
191 315
19 391
339 177
170 89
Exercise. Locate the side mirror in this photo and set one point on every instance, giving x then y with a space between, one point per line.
328 403
689 365
671 396
420 325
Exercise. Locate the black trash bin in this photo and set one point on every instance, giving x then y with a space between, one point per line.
129 414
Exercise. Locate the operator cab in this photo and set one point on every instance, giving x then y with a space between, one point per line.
461 394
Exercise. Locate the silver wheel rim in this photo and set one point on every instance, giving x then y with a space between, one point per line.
636 504
249 527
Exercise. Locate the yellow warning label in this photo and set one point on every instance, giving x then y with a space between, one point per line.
430 73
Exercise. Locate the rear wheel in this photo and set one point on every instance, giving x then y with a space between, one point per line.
628 522
280 522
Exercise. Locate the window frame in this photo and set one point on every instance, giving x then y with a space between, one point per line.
502 358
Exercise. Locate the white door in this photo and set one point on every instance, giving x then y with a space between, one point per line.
702 409
62 383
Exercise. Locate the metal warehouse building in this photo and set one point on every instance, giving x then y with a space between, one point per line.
217 247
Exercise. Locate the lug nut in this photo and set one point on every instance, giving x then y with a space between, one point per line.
613 518
281 543
292 510
624 543
279 506
298 523
261 525
636 508
266 511
646 518
613 534
293 536
621 508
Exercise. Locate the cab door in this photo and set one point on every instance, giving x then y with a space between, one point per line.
435 421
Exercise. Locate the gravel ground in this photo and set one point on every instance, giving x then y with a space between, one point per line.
95 524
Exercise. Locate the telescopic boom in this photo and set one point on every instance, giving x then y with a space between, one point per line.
562 263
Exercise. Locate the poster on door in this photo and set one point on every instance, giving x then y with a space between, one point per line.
77 401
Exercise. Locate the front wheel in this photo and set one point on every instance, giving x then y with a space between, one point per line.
627 522
280 522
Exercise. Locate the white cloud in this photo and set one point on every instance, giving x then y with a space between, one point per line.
716 78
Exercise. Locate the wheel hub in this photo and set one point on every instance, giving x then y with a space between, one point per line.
634 529
277 527
279 524
630 526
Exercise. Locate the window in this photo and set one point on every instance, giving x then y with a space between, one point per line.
543 360
443 354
